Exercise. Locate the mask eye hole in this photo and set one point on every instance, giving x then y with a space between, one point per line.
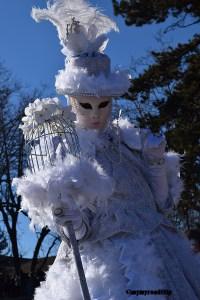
86 105
103 104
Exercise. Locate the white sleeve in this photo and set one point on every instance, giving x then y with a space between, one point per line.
165 181
175 183
159 184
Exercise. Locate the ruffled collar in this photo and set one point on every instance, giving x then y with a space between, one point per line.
91 140
120 131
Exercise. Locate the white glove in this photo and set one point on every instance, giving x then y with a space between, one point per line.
63 213
154 149
153 154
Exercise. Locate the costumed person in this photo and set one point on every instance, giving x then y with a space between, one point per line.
118 193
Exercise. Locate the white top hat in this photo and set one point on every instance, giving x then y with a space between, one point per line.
82 32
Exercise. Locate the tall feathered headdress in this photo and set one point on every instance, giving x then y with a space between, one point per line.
81 27
82 30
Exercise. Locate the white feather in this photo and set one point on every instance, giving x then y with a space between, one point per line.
77 44
75 81
61 12
99 44
85 181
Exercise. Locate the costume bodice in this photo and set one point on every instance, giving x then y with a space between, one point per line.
131 207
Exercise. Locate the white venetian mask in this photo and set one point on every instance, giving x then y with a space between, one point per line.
92 112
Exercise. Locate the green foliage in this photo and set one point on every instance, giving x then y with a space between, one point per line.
171 84
140 12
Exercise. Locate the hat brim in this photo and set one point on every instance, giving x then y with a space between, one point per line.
76 82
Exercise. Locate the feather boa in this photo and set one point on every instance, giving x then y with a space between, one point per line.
84 181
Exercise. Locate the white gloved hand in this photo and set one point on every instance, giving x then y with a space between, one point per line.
153 153
154 148
63 213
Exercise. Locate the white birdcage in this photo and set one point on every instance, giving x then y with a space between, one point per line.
50 140
49 133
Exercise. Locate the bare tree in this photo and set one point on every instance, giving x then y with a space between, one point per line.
3 243
12 164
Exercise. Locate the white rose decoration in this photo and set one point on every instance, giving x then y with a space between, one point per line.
43 110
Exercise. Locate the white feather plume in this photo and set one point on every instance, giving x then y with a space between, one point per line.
61 12
84 180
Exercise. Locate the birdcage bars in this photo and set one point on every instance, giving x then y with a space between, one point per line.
43 140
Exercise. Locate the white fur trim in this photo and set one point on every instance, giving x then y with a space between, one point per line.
111 267
75 81
131 135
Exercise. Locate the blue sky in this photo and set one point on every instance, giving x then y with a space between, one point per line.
31 51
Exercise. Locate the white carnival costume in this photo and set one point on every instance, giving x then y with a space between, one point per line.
119 191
